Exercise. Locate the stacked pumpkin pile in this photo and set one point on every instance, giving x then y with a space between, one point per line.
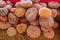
29 16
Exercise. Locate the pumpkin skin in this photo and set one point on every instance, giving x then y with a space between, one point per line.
26 3
37 6
2 3
46 23
21 28
50 34
12 18
4 25
54 13
3 12
20 12
45 12
33 31
44 29
9 3
43 4
54 5
11 31
31 14
55 25
4 19
17 5
8 7
13 10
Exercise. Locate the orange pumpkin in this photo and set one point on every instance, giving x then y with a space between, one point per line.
20 12
33 31
21 28
11 31
45 12
26 3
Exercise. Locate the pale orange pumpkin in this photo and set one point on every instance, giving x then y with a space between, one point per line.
31 14
21 28
11 31
55 25
26 3
20 12
50 34
53 5
33 31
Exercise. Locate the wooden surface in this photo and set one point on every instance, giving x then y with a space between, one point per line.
3 36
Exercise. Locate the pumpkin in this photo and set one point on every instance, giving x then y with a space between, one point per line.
4 25
8 7
3 18
31 14
13 10
3 12
11 31
46 23
20 12
55 25
2 3
37 6
33 31
26 3
21 28
45 12
17 5
50 34
53 5
54 13
12 18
